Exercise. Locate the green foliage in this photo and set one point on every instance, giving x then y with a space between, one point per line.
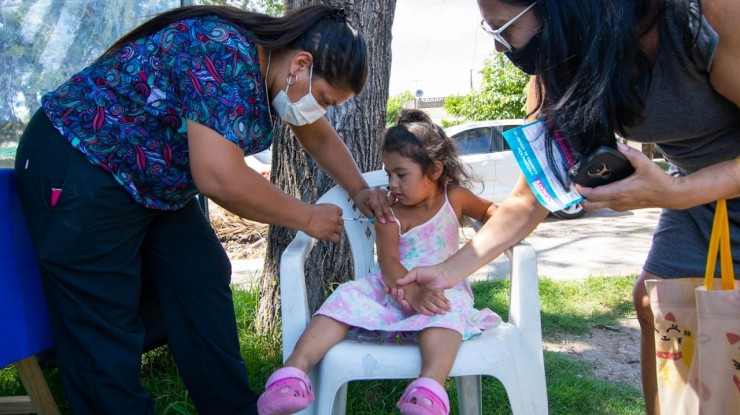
568 306
449 123
395 105
580 305
571 389
502 94
160 377
271 7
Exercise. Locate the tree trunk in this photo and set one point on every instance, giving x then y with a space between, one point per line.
360 122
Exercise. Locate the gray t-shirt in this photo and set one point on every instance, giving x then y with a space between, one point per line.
692 124
694 127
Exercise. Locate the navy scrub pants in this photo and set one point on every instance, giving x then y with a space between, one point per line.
97 248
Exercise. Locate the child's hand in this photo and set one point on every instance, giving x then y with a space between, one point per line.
398 295
430 302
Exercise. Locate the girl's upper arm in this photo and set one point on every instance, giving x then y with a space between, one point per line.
723 16
467 203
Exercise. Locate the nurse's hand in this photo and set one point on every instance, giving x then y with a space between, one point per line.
325 222
374 203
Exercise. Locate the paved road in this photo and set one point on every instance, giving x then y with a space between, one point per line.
599 243
603 242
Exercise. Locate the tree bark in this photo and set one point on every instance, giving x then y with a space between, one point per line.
360 122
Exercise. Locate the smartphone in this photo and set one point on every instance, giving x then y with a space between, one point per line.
605 165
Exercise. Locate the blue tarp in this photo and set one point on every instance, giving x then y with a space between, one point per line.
24 323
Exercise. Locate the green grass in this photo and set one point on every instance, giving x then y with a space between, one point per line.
568 308
571 307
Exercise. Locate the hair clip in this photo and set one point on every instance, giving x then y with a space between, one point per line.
339 15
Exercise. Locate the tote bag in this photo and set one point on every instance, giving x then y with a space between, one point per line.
697 334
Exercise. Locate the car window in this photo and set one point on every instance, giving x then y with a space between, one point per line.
498 141
507 128
473 141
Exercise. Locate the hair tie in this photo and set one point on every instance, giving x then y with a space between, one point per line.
339 15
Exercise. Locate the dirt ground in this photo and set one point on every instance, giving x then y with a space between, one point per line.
612 351
242 239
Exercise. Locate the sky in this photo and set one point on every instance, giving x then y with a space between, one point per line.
436 44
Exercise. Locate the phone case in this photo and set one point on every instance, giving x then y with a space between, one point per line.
603 166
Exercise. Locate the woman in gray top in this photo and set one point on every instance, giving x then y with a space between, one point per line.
657 71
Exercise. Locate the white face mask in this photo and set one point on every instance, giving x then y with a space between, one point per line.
305 111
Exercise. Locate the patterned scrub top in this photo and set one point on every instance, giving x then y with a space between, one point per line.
127 111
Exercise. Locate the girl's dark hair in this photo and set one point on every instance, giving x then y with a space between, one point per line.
592 74
339 51
416 137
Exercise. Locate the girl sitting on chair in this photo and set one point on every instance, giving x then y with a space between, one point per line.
425 178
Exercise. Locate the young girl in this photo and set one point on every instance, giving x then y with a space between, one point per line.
425 176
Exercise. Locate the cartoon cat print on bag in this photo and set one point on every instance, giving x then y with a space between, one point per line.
672 339
674 347
733 352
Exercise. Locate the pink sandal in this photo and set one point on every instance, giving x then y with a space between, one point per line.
424 396
287 391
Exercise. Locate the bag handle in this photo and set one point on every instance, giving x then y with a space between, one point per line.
719 243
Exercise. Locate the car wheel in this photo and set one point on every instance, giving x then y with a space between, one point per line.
572 212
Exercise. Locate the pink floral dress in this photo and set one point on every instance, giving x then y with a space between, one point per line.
375 316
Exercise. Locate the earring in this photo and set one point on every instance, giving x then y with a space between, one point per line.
291 79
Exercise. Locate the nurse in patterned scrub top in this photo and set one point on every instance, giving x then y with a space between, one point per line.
110 166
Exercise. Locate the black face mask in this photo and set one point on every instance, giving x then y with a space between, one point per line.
525 58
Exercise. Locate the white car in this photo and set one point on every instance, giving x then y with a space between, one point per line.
482 146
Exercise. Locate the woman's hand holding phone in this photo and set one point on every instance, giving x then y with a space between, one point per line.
648 186
605 165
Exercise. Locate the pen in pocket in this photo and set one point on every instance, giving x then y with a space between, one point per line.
55 193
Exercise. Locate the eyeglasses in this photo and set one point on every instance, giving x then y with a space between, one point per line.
496 33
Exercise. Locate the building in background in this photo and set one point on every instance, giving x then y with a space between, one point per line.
434 107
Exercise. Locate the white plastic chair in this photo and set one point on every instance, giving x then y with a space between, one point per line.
512 353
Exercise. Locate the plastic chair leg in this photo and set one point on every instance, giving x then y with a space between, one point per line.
340 401
469 394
